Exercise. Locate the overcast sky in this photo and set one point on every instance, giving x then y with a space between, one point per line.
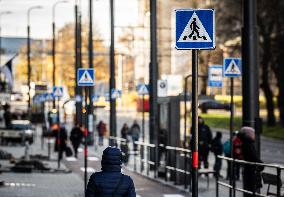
126 13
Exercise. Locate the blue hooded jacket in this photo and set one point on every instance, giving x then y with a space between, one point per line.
110 181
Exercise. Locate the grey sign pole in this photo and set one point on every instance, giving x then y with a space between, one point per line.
194 148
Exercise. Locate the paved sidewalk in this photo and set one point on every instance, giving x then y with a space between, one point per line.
144 186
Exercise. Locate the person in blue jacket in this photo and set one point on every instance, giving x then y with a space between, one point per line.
110 182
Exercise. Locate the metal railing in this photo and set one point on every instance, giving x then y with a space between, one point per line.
173 165
233 188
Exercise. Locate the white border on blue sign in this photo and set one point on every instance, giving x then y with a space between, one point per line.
241 69
85 84
214 35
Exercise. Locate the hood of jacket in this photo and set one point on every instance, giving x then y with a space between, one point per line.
111 160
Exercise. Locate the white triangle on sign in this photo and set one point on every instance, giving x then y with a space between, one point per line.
233 68
86 78
58 92
115 94
194 31
143 90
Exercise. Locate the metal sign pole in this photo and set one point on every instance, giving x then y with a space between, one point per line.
143 131
112 77
58 135
85 143
232 174
143 118
194 147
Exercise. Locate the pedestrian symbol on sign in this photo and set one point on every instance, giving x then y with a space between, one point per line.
232 67
194 31
86 77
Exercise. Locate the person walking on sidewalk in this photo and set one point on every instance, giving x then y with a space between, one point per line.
252 173
135 133
60 140
124 145
237 154
205 139
101 128
110 181
217 149
76 136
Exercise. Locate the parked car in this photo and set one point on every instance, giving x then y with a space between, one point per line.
206 105
20 132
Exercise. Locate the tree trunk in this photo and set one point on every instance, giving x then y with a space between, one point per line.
280 82
271 120
281 102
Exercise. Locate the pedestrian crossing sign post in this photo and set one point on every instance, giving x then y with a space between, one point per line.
115 94
215 76
143 89
195 29
232 67
86 77
57 91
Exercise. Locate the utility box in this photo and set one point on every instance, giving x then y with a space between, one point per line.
168 133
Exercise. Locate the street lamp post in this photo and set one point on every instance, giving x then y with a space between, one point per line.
54 44
112 75
91 65
29 55
153 76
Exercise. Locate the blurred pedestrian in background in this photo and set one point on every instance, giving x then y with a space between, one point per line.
124 144
7 116
205 139
217 149
76 137
124 131
101 128
61 140
237 153
252 173
135 133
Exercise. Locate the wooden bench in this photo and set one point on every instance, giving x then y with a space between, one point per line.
272 179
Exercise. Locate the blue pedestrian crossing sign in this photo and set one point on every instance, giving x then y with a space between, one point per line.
116 94
215 76
86 77
143 89
232 67
49 96
195 29
57 91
